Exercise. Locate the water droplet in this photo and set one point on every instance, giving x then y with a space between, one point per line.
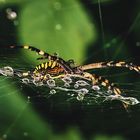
80 96
28 99
76 86
109 91
51 83
126 100
134 101
72 95
53 91
25 80
11 14
95 87
36 79
88 103
38 83
18 74
82 83
67 79
129 100
7 71
83 91
66 84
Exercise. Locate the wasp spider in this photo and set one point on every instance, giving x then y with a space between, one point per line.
58 67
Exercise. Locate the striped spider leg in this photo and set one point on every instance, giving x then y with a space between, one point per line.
54 66
46 55
101 65
102 81
121 64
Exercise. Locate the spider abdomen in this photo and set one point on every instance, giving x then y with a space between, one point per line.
50 67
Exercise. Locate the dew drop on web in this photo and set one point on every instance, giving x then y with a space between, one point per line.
53 91
7 71
82 83
51 83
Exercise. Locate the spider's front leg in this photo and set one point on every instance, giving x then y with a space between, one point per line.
121 64
45 55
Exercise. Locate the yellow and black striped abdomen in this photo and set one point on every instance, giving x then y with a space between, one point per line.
50 67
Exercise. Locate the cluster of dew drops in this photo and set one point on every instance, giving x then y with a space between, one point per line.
78 88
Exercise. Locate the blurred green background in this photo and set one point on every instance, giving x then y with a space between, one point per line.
86 31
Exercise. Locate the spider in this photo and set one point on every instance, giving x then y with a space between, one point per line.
57 67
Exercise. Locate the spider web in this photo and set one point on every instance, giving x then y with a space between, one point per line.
64 93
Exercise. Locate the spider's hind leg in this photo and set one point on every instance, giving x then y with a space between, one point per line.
102 81
98 80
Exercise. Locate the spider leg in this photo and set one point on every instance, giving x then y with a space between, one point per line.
121 64
99 80
105 83
102 81
45 55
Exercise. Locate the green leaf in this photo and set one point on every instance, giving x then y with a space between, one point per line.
19 118
57 26
4 2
